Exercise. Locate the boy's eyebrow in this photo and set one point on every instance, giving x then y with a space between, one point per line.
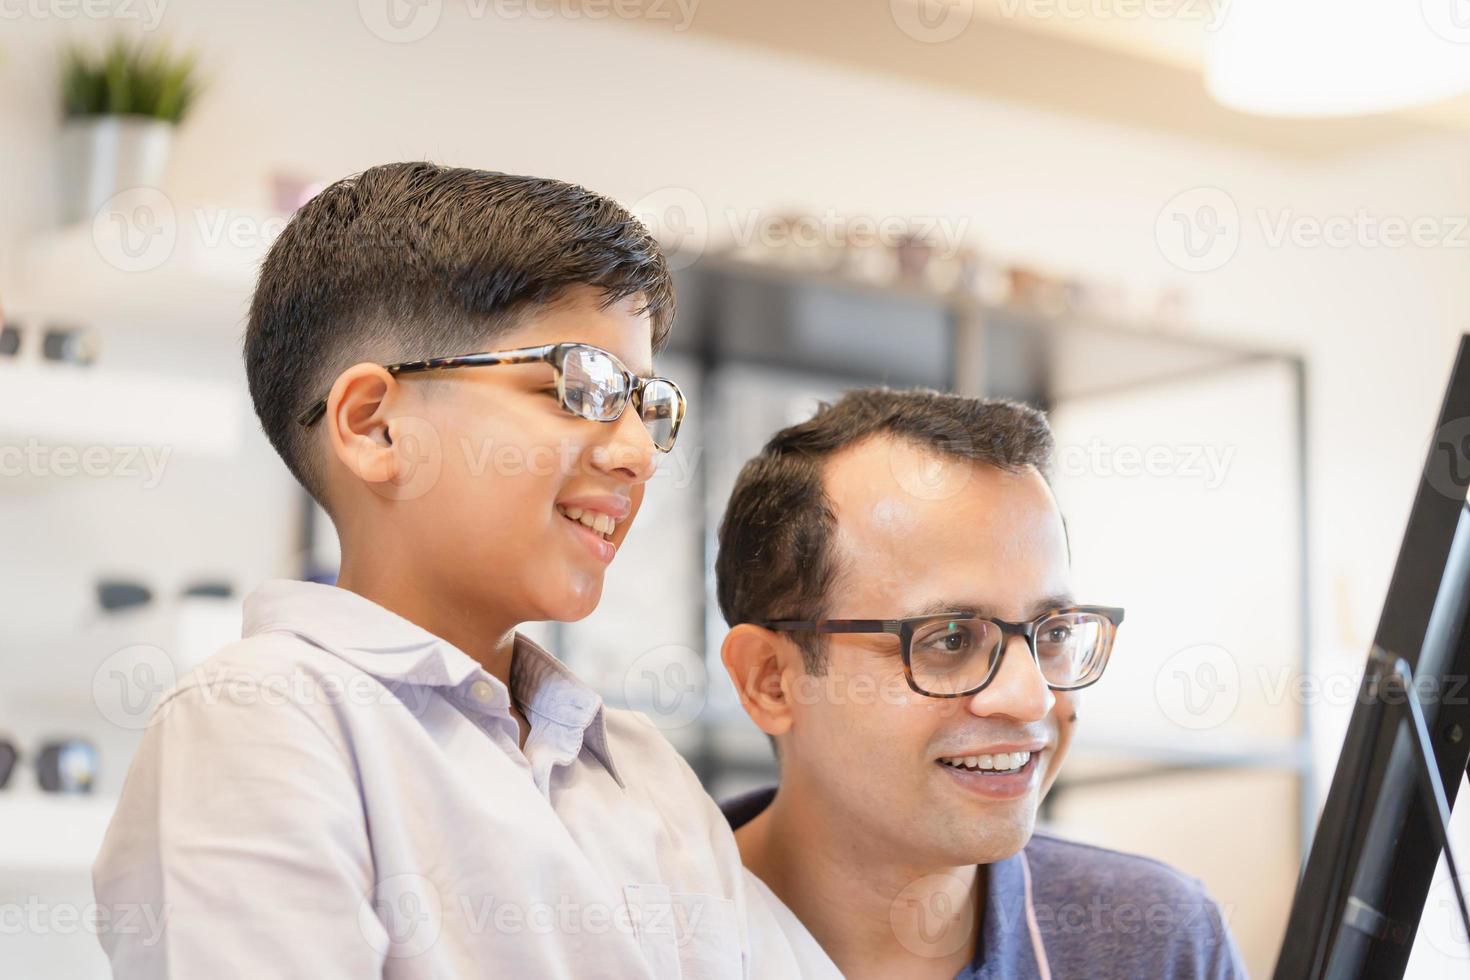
1058 600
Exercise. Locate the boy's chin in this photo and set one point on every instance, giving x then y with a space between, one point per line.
573 599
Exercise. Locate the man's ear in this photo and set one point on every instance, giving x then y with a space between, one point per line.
757 660
361 424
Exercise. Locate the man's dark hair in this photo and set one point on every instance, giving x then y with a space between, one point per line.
775 558
415 260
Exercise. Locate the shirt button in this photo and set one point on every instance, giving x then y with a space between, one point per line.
482 691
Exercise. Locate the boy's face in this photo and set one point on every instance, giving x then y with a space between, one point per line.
916 534
497 465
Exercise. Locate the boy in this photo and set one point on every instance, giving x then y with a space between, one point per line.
382 778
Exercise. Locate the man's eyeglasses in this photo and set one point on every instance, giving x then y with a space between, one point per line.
591 383
955 655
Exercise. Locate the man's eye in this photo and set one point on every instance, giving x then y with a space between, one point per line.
956 639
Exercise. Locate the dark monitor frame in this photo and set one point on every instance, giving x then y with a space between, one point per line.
1365 881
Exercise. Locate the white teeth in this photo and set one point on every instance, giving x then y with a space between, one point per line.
601 523
998 762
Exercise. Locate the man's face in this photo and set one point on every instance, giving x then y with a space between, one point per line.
505 467
919 533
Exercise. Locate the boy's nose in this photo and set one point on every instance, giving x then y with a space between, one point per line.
1018 690
629 449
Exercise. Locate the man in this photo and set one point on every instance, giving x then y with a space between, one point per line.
895 571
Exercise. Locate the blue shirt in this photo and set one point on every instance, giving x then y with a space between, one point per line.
1062 909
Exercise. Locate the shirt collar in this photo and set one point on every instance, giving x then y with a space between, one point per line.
1004 939
393 649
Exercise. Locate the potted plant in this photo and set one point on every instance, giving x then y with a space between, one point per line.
120 104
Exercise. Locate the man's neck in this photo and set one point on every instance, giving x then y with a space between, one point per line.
875 917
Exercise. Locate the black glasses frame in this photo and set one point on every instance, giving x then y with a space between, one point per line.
904 629
553 354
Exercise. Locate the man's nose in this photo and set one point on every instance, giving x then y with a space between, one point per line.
1017 690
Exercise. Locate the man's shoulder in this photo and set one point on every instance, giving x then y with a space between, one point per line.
1091 867
1141 914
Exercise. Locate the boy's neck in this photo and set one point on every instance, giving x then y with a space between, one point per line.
478 631
847 899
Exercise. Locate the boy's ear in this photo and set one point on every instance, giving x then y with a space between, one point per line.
372 437
757 660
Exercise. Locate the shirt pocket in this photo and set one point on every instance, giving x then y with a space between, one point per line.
686 935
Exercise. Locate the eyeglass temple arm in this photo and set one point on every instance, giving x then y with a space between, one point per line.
833 625
524 355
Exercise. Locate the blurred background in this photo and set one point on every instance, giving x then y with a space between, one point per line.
1226 246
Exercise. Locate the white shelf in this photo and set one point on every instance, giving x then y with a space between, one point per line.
195 271
93 406
51 833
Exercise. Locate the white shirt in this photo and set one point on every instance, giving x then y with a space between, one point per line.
342 794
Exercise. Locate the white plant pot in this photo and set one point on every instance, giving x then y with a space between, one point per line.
103 155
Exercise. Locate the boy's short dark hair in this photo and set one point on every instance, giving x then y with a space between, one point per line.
775 557
415 260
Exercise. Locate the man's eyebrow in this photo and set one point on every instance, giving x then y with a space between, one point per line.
968 607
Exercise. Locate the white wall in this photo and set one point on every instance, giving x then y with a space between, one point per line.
632 111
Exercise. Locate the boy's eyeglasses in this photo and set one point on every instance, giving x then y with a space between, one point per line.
955 655
591 383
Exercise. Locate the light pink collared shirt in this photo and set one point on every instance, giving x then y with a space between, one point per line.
342 794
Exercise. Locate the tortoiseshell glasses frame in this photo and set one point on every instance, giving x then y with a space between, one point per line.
601 388
1101 623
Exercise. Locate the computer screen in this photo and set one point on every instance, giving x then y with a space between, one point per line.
1366 877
